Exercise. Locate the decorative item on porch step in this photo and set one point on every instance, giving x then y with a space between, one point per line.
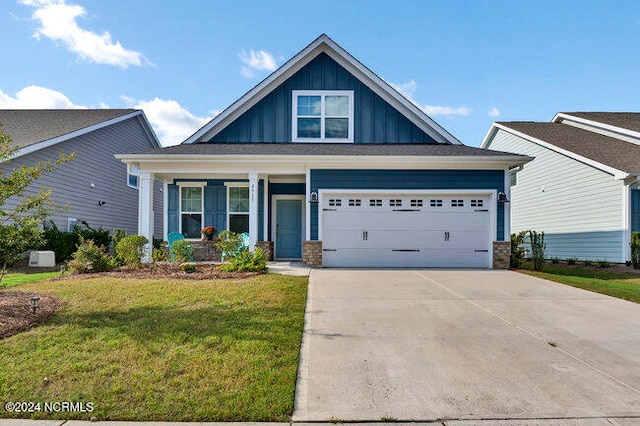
208 233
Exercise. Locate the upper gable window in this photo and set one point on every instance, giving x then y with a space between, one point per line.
322 116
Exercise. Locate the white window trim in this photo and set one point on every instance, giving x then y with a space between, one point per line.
131 173
229 213
322 93
190 185
71 220
513 173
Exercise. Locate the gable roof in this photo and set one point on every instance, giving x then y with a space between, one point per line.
324 44
609 154
622 120
34 129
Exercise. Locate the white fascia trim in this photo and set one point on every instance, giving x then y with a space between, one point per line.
50 142
488 137
351 64
618 174
561 116
355 159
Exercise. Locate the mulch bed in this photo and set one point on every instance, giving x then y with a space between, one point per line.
16 314
167 270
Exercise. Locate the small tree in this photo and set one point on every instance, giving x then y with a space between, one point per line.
20 224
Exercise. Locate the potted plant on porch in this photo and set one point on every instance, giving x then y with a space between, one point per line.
208 233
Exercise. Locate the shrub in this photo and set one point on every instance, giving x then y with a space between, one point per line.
229 243
188 267
603 264
118 234
90 258
160 254
517 249
555 260
158 243
587 262
572 261
635 250
130 250
536 240
98 236
181 251
63 244
254 261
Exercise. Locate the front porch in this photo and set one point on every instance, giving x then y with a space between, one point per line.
272 209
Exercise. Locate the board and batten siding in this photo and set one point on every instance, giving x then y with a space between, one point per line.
95 164
407 179
578 207
375 121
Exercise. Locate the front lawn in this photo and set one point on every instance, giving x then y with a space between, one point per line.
162 349
14 279
623 286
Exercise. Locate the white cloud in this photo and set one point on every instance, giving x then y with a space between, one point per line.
58 22
36 97
259 60
171 121
446 110
408 89
494 112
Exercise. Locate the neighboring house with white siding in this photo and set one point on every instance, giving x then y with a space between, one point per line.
582 187
97 188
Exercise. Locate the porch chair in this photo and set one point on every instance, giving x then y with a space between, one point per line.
172 238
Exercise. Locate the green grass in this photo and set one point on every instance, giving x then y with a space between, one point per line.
12 280
173 350
613 284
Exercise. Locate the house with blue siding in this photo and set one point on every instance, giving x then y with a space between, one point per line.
582 187
96 187
325 162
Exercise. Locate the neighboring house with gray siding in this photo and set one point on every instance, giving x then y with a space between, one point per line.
97 188
582 187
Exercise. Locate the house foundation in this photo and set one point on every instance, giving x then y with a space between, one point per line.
501 254
312 253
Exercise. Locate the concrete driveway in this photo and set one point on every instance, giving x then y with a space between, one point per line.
427 345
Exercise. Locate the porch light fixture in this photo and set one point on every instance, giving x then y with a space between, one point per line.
101 202
313 198
502 197
34 303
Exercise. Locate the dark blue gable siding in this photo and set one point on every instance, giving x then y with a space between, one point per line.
270 119
407 179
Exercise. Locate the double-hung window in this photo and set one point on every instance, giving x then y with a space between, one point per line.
191 210
322 116
238 207
132 176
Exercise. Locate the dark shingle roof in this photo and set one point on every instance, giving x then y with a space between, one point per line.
326 149
612 152
624 120
29 126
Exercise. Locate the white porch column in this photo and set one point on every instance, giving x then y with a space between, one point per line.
265 207
253 210
145 211
507 206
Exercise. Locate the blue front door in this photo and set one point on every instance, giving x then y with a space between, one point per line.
288 229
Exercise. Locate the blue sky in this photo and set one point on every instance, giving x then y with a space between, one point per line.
466 63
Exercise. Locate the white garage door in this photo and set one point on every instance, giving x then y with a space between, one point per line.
406 230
